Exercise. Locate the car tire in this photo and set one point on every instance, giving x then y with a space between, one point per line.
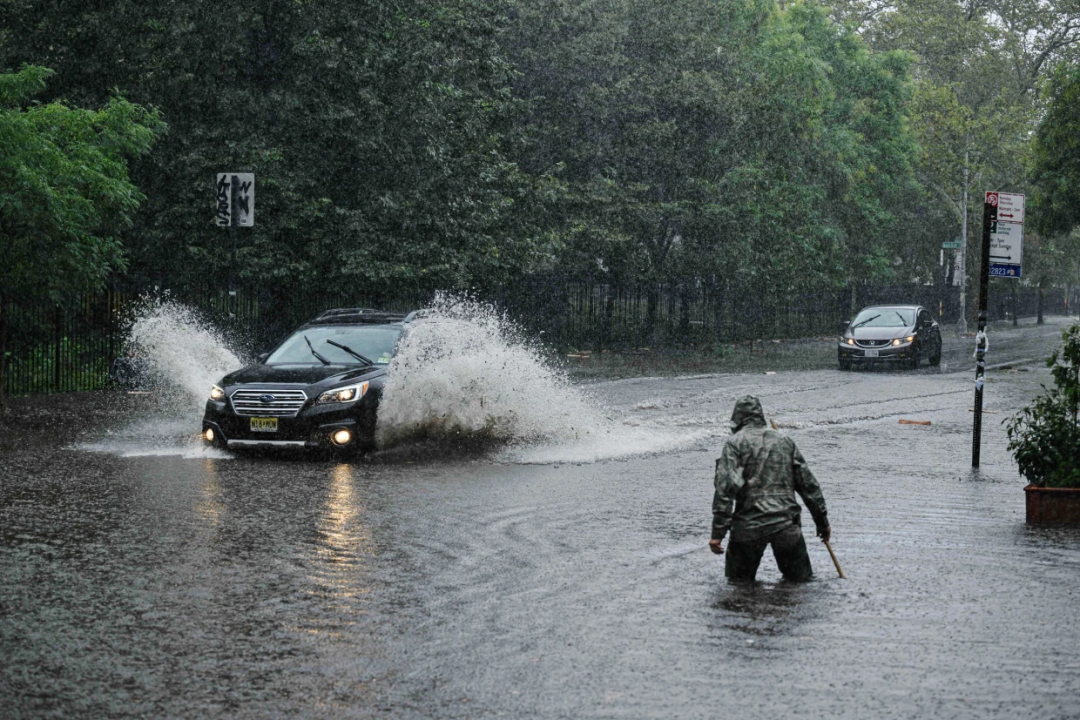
845 364
915 361
935 359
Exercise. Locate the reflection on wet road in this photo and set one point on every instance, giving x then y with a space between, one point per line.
412 586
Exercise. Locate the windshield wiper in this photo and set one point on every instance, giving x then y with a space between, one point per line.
352 352
324 360
864 322
902 318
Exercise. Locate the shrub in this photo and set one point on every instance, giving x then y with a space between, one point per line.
1044 437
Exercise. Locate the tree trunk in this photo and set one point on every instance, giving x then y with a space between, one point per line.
684 309
652 301
3 347
718 286
609 316
1040 313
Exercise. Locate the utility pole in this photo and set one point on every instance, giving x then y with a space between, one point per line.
963 249
981 343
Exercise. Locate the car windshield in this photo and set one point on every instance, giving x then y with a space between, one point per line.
374 342
885 317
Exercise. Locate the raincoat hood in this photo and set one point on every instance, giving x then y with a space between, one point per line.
747 412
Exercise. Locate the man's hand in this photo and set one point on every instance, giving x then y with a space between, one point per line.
825 533
716 547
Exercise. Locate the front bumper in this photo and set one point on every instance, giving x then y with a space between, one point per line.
312 427
887 353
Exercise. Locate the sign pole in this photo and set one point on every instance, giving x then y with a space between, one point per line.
989 216
235 208
232 253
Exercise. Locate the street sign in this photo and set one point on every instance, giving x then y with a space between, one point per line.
1006 212
235 200
1010 207
951 245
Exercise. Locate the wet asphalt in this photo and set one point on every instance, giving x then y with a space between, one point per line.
427 583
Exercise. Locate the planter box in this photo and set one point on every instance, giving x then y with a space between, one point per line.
1052 505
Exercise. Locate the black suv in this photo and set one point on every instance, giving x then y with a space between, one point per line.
319 388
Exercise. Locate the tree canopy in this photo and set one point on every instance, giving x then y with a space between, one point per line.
66 192
462 144
1056 171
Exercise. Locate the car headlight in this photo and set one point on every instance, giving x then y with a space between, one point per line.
850 341
217 393
348 394
903 341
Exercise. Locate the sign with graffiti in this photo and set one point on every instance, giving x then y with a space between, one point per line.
235 200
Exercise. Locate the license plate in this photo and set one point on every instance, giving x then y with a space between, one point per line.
870 353
263 424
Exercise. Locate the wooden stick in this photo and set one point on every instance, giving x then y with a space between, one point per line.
834 560
914 422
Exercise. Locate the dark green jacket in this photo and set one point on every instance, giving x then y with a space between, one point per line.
757 476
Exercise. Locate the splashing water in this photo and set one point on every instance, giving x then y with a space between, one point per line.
184 356
464 371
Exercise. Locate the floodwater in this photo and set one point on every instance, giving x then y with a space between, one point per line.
542 582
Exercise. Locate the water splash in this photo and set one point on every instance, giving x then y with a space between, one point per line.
185 353
183 356
465 372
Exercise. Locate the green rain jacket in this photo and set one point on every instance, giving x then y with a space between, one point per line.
759 473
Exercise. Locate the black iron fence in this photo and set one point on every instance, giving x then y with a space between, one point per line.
72 346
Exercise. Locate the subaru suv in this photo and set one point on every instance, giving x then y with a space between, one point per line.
319 388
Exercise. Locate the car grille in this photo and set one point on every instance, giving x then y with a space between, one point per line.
873 343
268 403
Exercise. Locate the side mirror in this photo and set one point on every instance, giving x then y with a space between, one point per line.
261 357
844 325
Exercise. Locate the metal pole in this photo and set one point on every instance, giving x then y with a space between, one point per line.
989 218
231 299
963 250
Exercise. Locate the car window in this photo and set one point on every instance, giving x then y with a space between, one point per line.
884 317
376 343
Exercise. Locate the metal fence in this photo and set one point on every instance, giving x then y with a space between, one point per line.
72 346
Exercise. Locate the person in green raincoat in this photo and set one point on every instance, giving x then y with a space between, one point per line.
757 476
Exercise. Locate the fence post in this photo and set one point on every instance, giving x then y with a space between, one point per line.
57 320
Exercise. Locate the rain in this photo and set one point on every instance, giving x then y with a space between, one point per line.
375 360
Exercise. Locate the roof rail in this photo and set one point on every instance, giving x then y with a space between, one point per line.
350 311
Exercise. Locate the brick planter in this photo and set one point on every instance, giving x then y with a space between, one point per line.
1052 505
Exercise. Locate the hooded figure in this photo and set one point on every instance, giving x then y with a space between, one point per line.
757 476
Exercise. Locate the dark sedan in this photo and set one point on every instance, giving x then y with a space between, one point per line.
903 334
320 388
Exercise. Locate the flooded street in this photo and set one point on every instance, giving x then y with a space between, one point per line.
561 580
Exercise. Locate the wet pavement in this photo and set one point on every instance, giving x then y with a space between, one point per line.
425 584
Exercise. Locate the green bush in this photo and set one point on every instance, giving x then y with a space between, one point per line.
1044 437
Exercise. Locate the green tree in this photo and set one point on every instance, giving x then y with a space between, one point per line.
375 131
65 194
1056 173
711 138
978 69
